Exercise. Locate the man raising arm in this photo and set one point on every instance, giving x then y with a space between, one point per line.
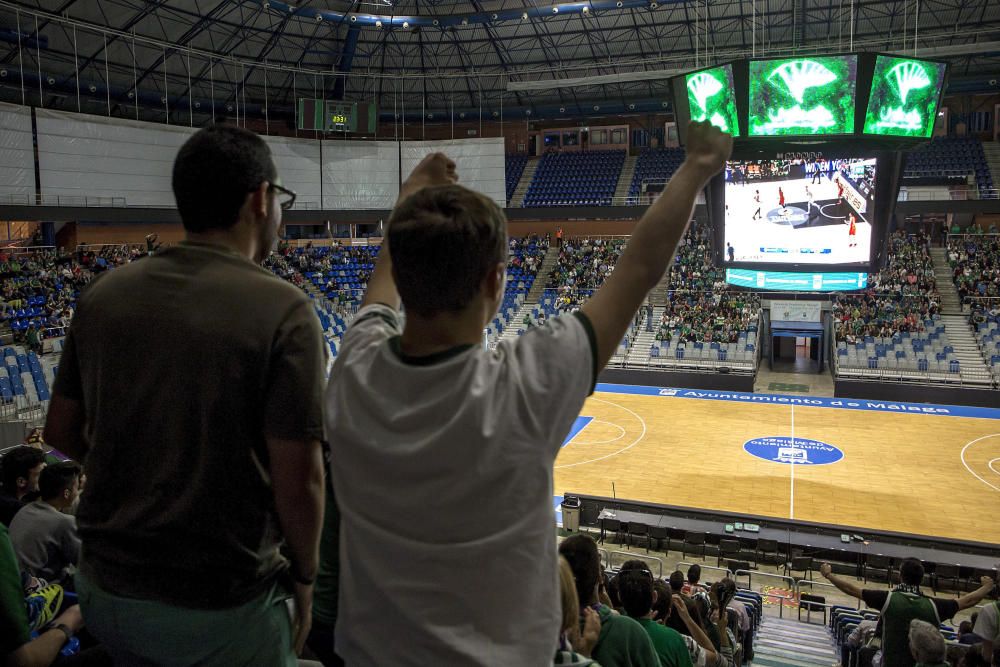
650 251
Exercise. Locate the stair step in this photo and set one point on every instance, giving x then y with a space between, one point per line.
790 660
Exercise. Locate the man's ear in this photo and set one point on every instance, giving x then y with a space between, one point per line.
258 200
493 281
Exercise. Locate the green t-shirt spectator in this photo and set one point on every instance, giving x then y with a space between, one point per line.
13 615
668 643
623 642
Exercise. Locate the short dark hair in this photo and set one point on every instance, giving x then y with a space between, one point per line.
664 600
444 240
694 574
214 172
58 477
677 580
911 572
580 551
17 463
636 590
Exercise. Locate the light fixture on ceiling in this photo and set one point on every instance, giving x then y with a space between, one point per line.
465 21
51 81
3 72
494 17
93 88
406 25
653 5
495 114
524 16
597 108
266 5
619 4
319 17
354 19
461 115
430 116
586 9
163 100
631 107
436 22
130 94
197 105
663 104
555 10
527 112
562 109
229 107
378 24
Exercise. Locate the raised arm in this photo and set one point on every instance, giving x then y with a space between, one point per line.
697 633
844 585
650 251
971 599
435 169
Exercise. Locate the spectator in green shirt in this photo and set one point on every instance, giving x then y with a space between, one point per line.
638 596
17 648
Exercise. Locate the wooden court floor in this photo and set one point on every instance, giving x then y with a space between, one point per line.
928 474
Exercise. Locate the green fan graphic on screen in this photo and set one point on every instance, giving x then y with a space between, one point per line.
907 77
797 78
701 88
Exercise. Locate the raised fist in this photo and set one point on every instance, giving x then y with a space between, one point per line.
708 147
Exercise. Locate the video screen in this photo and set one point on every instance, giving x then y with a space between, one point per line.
904 97
797 282
803 96
816 211
711 97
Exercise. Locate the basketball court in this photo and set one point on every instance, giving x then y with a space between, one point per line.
910 468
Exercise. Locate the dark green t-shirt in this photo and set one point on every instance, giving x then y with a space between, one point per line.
185 362
623 642
13 615
669 646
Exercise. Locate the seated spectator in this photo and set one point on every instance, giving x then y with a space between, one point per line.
622 641
927 646
578 635
17 647
965 633
640 595
904 604
44 536
691 586
987 628
20 468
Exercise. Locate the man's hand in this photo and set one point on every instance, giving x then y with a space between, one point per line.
826 570
303 616
435 169
72 618
708 147
587 639
987 582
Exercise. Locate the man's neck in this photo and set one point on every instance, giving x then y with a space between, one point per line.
425 336
55 504
241 244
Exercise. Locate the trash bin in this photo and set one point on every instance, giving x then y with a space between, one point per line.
571 514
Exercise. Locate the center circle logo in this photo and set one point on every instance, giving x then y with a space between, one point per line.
801 451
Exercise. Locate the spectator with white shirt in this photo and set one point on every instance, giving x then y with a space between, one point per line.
442 452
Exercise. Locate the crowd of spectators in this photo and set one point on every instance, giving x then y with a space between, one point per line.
584 264
975 266
899 299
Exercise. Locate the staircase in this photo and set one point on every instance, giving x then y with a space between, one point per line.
950 303
658 295
528 175
548 263
625 180
991 149
972 365
518 322
789 643
639 351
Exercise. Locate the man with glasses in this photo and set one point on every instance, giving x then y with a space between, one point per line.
191 383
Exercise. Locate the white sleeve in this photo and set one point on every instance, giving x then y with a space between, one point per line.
555 368
373 324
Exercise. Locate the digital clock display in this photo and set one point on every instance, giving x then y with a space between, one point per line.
339 119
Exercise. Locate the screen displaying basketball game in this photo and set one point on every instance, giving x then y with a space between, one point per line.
711 97
802 211
802 96
904 97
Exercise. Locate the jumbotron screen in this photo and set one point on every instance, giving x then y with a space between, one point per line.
803 96
711 96
904 97
816 211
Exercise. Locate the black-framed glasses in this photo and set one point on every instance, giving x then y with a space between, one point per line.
286 197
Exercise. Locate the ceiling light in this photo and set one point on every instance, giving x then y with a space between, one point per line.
555 10
436 22
562 109
495 114
619 4
266 5
229 107
586 9
663 104
524 16
495 17
378 24
319 17
406 24
130 94
93 88
653 5
430 116
354 19
461 115
631 107
3 72
527 112
51 81
465 21
597 108
197 105
163 100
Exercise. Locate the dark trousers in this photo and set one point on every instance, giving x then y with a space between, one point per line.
320 642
